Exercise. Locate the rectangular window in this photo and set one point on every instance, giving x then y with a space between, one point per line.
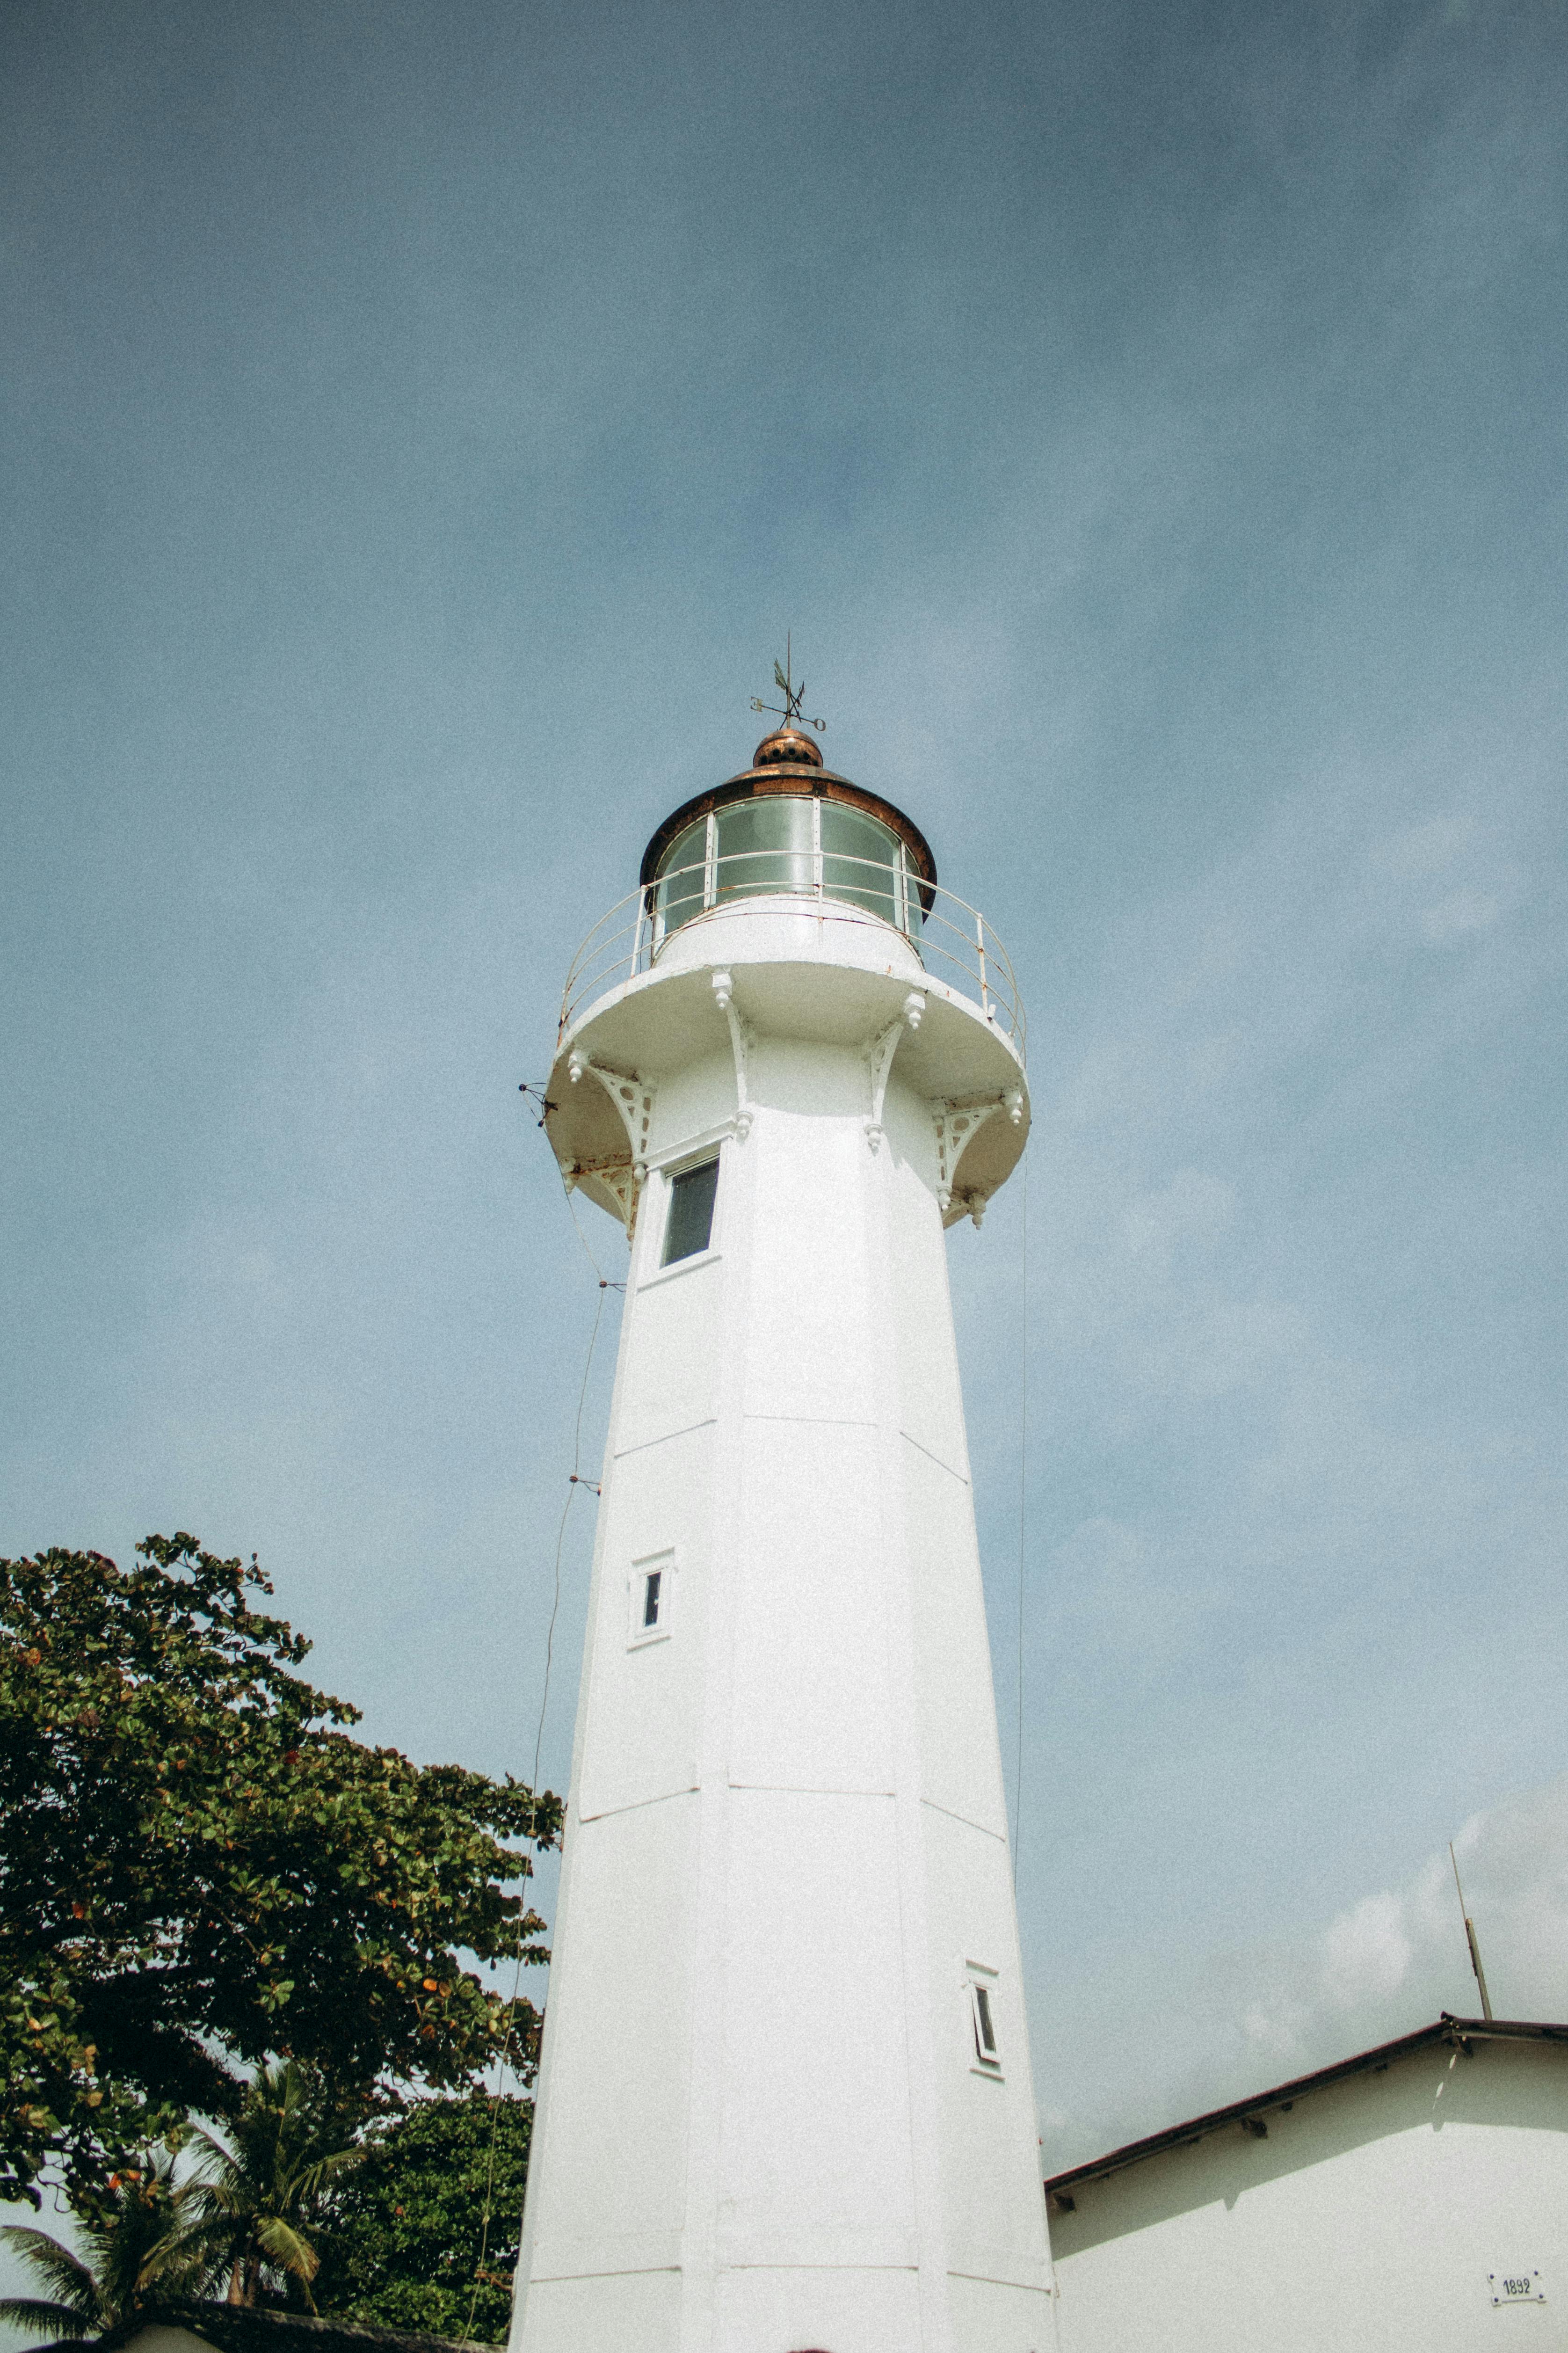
983 2019
690 1220
985 2028
650 1594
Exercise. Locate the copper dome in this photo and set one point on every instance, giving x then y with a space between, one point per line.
786 748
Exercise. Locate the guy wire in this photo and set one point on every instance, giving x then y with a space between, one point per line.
575 1481
598 1269
1022 1512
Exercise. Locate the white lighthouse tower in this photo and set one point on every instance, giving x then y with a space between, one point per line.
785 2098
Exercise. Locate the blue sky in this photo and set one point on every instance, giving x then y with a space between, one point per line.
422 426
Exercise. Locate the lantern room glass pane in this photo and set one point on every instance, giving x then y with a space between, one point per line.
859 861
914 905
764 846
682 871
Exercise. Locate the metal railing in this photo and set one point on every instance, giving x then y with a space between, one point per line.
952 939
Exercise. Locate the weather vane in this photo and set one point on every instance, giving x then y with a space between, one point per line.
785 681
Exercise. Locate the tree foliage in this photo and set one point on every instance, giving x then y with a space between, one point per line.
250 2205
129 2230
406 2245
202 1872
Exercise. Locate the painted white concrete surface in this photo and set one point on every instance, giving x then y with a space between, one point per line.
777 929
762 2121
1375 2213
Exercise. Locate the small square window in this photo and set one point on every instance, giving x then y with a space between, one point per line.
982 2019
690 1224
650 1596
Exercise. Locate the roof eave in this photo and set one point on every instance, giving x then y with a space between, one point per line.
1444 2029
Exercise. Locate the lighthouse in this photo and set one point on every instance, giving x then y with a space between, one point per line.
784 2097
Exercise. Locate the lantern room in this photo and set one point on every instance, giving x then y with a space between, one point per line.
787 827
789 903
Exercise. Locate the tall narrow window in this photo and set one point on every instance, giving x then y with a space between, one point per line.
983 2019
985 2025
689 1223
650 1590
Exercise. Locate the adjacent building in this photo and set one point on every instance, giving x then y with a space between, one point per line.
1413 2199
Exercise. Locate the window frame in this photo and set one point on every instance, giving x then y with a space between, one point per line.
665 1566
648 1245
981 1985
688 1166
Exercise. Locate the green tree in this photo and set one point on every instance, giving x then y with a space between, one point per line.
251 2205
409 2246
202 1872
131 2263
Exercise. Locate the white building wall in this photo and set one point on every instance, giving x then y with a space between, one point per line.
761 2126
1373 2214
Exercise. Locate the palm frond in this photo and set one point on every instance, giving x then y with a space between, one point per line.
181 2258
44 2320
129 2248
199 2246
72 2280
282 2244
212 2155
310 2183
230 2197
176 2247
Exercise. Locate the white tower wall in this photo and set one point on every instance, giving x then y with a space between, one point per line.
762 2121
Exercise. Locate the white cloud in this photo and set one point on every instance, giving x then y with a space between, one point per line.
1408 1941
1366 1952
1255 2015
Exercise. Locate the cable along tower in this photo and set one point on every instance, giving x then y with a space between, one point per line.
785 2095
